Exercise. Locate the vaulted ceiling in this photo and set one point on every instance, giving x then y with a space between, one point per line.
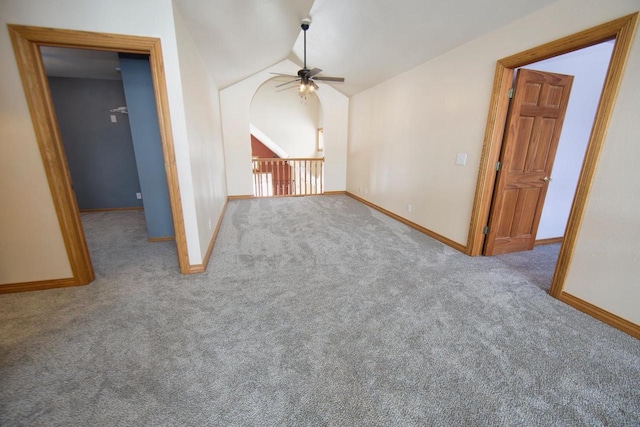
365 41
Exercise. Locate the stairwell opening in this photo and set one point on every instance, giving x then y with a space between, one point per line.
287 149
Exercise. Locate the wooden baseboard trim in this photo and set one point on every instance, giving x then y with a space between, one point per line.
326 193
602 315
248 196
161 239
548 241
455 245
131 208
201 268
195 269
38 286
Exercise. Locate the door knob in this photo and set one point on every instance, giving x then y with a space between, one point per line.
546 179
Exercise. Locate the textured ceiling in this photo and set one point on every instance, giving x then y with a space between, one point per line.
67 62
366 42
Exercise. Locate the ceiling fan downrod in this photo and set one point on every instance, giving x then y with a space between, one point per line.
305 26
307 78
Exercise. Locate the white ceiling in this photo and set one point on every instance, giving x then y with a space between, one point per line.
67 62
365 41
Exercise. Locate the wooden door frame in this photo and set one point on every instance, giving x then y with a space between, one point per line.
26 42
622 31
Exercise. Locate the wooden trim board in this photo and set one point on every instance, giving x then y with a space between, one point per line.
132 208
26 42
161 239
600 314
201 268
411 224
548 241
249 196
38 286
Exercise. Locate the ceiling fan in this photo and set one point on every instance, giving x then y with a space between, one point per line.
307 77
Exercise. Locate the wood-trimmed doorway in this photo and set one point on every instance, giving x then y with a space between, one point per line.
621 30
26 43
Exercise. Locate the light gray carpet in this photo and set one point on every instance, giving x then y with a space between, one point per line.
314 311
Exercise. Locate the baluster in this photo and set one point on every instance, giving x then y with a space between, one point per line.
275 175
299 177
307 178
315 177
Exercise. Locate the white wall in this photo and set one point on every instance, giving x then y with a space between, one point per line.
589 68
236 117
31 247
335 118
204 131
287 119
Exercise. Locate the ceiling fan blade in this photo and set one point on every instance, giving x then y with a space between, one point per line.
286 83
286 88
286 75
329 79
314 72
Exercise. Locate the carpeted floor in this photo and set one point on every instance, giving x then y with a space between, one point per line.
314 311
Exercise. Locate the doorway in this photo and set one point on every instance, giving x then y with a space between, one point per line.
26 42
621 32
105 112
555 187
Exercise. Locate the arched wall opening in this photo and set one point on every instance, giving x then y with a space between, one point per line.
289 121
236 103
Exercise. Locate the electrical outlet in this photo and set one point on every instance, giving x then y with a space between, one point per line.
409 208
209 224
114 119
139 196
461 159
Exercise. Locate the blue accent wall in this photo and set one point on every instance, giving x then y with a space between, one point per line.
138 90
99 153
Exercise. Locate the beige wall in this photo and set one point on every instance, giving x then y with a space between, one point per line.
289 121
606 264
31 246
236 102
405 133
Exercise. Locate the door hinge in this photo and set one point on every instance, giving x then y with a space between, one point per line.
510 93
485 230
498 166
